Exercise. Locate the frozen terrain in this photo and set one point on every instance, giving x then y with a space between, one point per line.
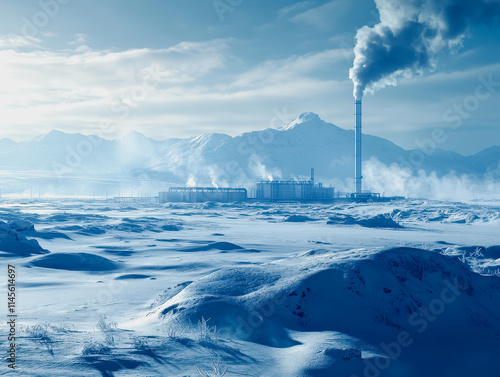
408 288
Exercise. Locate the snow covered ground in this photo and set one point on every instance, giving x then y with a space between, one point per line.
408 288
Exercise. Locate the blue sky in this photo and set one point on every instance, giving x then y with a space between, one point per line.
181 68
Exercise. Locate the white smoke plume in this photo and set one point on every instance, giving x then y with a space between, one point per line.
398 181
261 171
409 37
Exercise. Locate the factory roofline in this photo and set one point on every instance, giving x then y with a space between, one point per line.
290 181
204 189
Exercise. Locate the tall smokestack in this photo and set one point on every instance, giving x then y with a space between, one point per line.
312 176
358 176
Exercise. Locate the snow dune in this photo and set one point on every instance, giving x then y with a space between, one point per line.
13 243
422 297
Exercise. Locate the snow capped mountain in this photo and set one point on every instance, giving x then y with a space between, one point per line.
292 150
311 119
6 145
58 152
219 159
487 161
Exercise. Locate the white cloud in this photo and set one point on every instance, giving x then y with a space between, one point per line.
323 16
49 34
69 89
201 87
80 39
293 68
18 41
74 89
445 77
299 6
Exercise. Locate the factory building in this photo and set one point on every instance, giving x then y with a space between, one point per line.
273 191
294 191
203 194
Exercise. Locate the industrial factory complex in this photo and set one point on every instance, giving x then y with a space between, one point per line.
203 194
293 190
273 191
281 191
266 191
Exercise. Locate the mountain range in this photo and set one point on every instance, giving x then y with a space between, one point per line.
215 159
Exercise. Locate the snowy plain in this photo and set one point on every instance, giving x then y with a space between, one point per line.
105 288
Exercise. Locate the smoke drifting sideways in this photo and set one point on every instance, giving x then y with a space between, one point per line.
401 181
409 37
